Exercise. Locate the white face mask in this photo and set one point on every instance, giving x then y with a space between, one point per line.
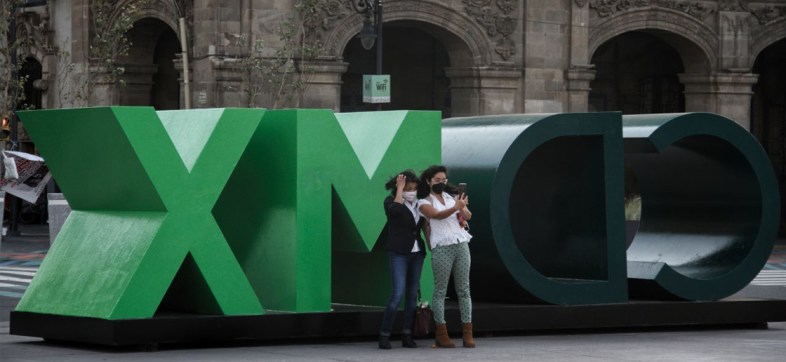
409 195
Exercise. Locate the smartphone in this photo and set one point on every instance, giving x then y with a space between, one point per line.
462 188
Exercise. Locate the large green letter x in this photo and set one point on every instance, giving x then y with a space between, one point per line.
142 186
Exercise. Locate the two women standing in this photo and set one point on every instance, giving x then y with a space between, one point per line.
448 241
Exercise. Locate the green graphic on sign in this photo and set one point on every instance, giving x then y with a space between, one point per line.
213 211
224 211
310 188
376 88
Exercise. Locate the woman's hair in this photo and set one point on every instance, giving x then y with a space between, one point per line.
429 173
409 176
424 189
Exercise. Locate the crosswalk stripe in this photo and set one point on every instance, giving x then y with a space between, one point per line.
15 279
17 272
12 279
770 278
13 286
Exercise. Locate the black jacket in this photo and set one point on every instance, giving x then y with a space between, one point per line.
401 228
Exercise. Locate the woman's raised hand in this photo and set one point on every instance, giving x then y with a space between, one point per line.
401 181
462 201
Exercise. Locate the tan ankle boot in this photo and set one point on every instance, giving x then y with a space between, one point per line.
442 339
468 341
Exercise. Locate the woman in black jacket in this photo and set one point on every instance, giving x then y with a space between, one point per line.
406 250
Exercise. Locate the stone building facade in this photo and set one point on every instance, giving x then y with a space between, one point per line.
464 57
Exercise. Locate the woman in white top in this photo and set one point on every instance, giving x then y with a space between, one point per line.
449 251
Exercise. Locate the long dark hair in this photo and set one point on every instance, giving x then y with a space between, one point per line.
424 189
409 176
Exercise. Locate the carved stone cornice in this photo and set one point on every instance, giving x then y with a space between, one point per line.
499 19
35 31
733 5
324 20
697 32
696 9
769 13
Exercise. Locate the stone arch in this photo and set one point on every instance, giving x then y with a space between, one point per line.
766 36
694 41
150 57
42 57
145 29
464 40
46 59
163 10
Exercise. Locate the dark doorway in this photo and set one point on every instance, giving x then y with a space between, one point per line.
416 62
637 73
32 72
166 88
150 76
768 112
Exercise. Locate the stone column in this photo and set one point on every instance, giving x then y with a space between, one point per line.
578 84
727 94
580 73
207 44
579 33
484 91
734 35
323 79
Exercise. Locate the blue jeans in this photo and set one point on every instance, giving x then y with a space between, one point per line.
405 275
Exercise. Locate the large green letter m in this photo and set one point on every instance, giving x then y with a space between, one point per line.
312 185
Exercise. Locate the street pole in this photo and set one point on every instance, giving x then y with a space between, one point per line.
184 47
13 226
379 41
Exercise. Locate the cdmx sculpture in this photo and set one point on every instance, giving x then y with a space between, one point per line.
246 211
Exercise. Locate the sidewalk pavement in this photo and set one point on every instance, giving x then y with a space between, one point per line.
632 345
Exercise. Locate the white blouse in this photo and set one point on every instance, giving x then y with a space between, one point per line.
447 231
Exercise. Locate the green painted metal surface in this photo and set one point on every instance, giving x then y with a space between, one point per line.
311 189
142 186
224 211
710 205
546 192
213 211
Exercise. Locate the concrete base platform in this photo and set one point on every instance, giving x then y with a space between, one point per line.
355 321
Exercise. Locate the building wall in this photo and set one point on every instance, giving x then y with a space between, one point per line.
506 56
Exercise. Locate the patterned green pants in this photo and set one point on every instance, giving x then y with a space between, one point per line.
444 260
